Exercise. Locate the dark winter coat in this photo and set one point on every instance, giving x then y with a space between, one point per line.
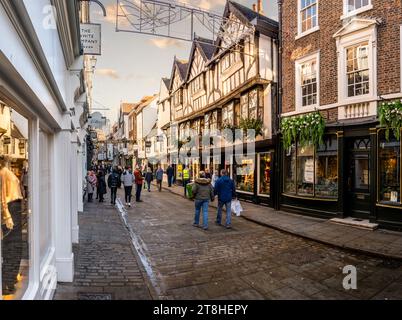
114 181
170 171
102 185
202 190
149 177
225 189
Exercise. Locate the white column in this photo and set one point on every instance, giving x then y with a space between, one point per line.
74 187
63 216
80 175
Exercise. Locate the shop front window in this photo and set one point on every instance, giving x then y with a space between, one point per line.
244 174
312 172
389 164
305 170
326 184
264 185
290 170
14 208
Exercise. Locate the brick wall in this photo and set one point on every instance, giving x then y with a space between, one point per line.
330 11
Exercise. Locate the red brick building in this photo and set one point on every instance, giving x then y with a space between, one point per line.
343 59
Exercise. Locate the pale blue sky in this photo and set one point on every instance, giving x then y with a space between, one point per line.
132 65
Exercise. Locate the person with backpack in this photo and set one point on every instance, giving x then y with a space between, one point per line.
114 183
127 178
226 191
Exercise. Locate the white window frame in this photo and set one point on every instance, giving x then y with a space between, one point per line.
348 14
366 35
299 102
301 34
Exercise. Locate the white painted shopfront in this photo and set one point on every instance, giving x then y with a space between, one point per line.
39 77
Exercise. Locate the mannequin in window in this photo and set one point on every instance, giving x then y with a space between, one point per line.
11 224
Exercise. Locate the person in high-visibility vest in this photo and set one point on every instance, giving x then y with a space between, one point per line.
186 179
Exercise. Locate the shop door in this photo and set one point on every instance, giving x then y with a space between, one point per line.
357 178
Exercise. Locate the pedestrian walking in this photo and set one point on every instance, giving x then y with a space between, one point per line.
208 174
139 181
170 174
186 179
226 191
202 193
159 178
91 184
102 189
127 179
149 177
215 178
114 183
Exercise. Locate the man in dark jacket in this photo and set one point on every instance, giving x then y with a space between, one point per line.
102 190
202 193
226 191
114 183
170 174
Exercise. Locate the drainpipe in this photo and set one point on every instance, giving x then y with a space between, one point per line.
278 158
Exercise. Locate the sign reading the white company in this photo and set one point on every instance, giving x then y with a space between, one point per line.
91 38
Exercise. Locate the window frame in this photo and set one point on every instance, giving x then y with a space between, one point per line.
298 85
348 14
313 196
300 32
357 47
378 195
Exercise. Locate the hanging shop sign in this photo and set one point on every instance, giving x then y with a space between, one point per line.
6 140
110 151
91 38
148 144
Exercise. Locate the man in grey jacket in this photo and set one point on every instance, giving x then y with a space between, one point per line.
202 193
127 178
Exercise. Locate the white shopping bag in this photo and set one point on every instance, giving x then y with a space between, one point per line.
236 208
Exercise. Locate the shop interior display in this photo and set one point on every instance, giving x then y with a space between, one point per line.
265 174
245 175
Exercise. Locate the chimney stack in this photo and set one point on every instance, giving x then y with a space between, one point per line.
254 7
260 7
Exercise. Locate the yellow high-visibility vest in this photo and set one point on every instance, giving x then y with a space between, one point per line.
186 174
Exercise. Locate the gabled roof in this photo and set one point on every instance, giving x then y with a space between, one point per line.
207 49
182 66
126 108
166 81
145 102
249 17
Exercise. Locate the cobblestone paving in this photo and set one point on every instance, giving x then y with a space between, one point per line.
248 262
105 265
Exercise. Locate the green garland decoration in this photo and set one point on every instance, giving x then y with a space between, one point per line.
305 129
390 115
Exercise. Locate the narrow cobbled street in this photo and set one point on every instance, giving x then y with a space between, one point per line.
174 260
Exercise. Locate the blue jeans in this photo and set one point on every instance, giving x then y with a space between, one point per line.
228 206
204 204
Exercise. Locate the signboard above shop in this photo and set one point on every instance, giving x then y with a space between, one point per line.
91 39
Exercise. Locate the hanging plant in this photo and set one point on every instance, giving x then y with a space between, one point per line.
252 124
305 129
390 114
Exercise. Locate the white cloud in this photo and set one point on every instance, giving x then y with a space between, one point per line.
166 42
111 73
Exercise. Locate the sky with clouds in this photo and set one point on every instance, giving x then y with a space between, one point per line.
132 65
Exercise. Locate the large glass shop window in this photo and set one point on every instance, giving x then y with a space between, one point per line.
265 162
14 172
311 171
244 174
389 166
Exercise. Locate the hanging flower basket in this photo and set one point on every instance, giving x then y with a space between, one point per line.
305 129
390 115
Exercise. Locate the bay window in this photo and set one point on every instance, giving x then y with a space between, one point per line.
228 114
252 104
